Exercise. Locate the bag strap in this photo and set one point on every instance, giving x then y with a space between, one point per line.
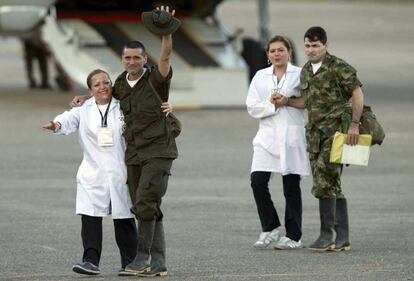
170 115
154 91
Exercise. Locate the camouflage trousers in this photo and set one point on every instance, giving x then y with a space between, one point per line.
326 175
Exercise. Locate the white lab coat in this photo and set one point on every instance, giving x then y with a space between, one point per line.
101 178
280 144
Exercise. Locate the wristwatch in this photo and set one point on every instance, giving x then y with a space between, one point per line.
356 121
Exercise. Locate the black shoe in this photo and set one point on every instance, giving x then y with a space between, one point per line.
123 272
86 268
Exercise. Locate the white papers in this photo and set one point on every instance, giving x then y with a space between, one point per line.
341 153
355 154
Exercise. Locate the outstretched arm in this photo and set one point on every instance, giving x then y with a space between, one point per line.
166 49
65 123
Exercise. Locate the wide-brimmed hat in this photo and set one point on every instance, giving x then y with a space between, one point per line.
160 22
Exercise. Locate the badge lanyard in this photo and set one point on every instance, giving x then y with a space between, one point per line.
104 122
276 83
105 134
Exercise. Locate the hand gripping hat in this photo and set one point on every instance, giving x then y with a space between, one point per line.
160 22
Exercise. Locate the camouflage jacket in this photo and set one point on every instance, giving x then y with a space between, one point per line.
146 131
327 94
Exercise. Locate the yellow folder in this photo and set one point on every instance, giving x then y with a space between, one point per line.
342 153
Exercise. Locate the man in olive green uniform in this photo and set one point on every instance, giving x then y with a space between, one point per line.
151 146
150 152
332 95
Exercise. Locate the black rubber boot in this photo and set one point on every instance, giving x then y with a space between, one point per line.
342 226
158 267
145 237
325 241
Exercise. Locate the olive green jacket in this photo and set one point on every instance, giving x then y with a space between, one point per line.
146 131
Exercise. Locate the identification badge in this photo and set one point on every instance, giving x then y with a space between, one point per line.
275 92
105 137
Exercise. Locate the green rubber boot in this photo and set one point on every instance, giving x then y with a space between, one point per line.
145 238
158 267
325 241
342 226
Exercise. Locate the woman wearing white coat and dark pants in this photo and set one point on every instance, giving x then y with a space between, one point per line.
102 176
279 145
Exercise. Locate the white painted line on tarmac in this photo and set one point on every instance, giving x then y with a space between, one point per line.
48 248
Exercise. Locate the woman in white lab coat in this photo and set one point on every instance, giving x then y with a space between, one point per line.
101 178
279 145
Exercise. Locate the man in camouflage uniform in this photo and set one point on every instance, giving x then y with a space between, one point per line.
332 95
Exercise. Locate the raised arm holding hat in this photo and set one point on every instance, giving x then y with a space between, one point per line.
161 22
166 43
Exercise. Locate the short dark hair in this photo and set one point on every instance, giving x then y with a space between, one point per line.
92 74
316 33
279 38
134 44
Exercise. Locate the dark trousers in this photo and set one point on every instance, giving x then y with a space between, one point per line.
125 236
36 49
147 184
269 218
